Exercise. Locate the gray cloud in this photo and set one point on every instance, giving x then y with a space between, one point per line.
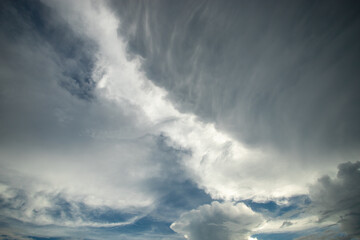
55 142
75 165
36 108
75 53
83 131
225 221
339 198
282 74
330 234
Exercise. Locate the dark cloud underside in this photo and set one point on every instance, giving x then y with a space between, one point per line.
280 73
339 198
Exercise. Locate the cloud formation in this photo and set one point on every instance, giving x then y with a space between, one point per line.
92 151
215 158
339 198
217 221
120 118
268 74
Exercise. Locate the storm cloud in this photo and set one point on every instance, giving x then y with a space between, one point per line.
280 73
338 198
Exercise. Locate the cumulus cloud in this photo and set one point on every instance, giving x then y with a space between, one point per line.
338 198
217 221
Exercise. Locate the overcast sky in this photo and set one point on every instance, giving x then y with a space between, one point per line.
174 120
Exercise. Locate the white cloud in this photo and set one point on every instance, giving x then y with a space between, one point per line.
231 220
226 168
218 221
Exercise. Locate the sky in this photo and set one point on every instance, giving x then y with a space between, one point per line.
175 120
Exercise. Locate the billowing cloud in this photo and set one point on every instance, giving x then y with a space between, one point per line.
339 198
218 221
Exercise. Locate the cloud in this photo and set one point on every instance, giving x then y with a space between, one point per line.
74 53
218 221
338 198
332 233
98 117
95 151
43 208
269 77
64 156
265 75
215 158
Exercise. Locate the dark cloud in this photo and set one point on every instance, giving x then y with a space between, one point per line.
175 190
286 224
326 234
75 54
45 69
40 102
339 198
280 73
